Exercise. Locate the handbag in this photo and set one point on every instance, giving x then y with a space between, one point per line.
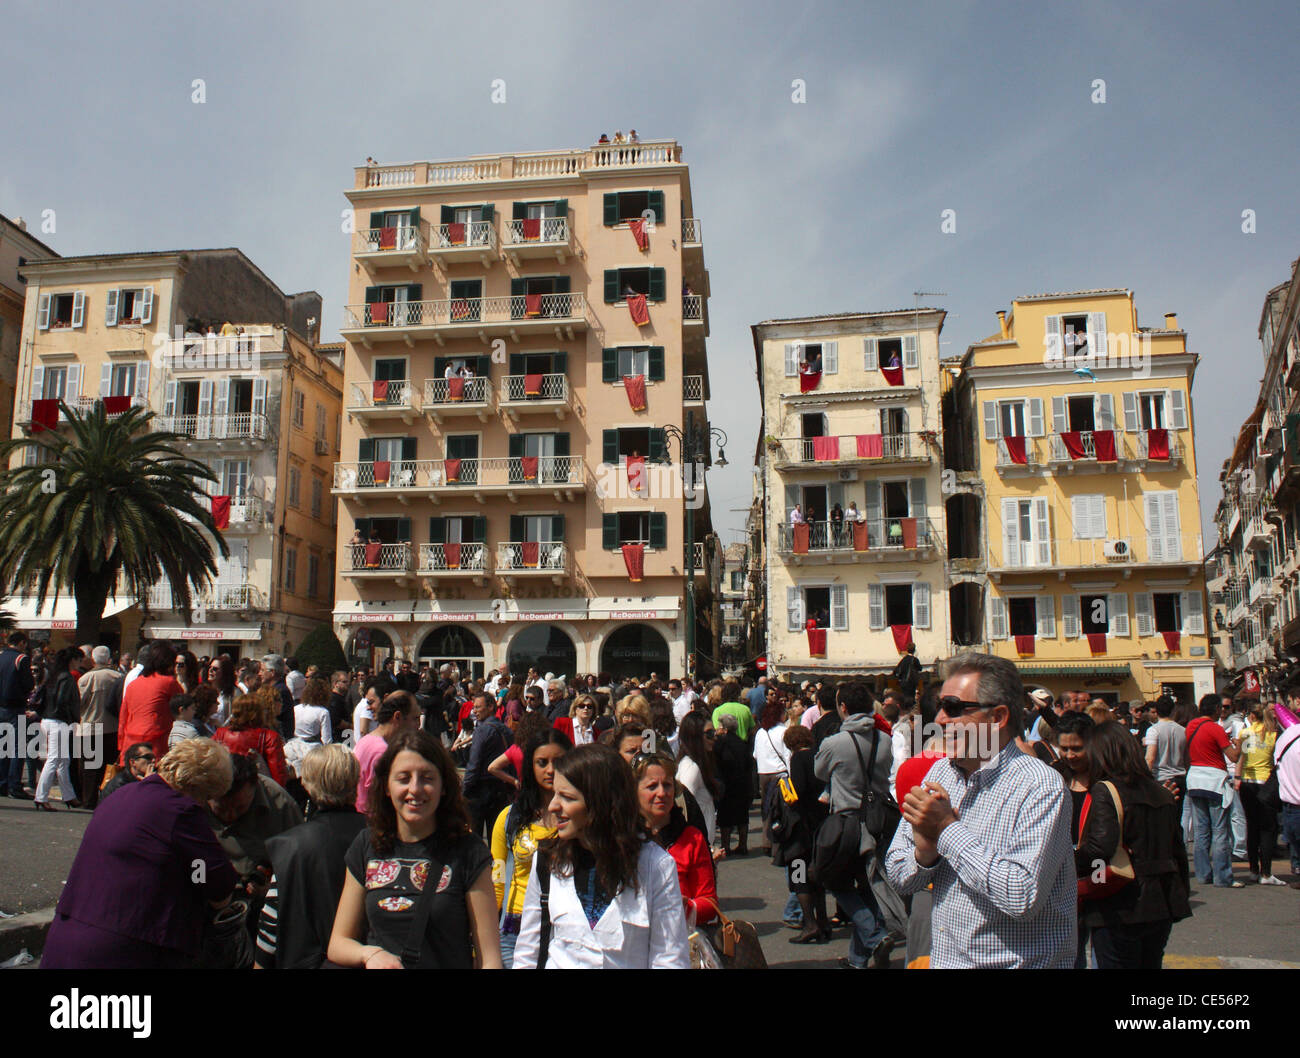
847 836
733 943
1270 795
1118 871
226 944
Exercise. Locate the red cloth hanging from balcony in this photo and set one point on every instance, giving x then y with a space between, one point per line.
379 390
893 375
1103 443
1024 645
532 228
529 549
826 449
809 380
383 469
1172 640
634 560
529 465
1158 444
221 511
799 531
1097 642
460 310
374 552
532 305
859 536
451 553
635 387
456 234
870 446
816 640
45 415
116 405
451 468
1073 441
902 637
379 312
636 477
1015 449
387 238
638 309
455 388
533 384
908 525
639 234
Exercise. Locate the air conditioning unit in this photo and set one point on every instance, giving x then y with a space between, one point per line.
322 446
848 474
1116 549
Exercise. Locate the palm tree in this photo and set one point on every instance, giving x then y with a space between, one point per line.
111 504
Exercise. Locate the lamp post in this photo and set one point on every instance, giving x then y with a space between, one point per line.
694 448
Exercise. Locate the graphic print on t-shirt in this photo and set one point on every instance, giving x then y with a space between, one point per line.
380 873
420 874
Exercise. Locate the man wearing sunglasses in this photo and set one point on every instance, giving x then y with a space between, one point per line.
990 828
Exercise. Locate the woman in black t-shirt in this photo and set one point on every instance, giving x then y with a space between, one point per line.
418 837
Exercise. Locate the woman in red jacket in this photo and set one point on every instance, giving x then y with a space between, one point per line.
666 823
146 713
246 732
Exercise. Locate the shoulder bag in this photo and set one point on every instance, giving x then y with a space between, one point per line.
841 844
420 921
1270 795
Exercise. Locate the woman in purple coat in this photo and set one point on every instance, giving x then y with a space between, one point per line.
147 870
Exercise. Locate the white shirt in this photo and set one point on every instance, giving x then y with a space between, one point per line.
640 930
688 773
311 723
682 705
362 710
796 516
131 675
770 753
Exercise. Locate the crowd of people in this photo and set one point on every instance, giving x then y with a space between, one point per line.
585 821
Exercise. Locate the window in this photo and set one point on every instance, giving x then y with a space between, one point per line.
1007 418
1093 613
621 282
1164 538
1023 614
313 576
234 478
891 353
817 605
1075 334
121 380
295 481
1089 514
646 360
649 442
1167 610
290 568
1011 418
622 206
317 492
53 384
61 310
128 305
737 580
635 361
634 527
1025 534
320 422
1151 410
390 370
898 604
299 408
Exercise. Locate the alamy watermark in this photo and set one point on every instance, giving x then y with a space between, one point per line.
641 480
1072 350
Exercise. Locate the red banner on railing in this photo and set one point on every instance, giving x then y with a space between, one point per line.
532 228
379 391
1015 449
532 304
529 466
799 531
451 552
1097 642
1172 639
809 381
451 468
639 234
859 536
634 560
529 549
870 446
455 388
382 471
1103 443
636 477
1157 444
902 633
826 449
456 234
387 238
116 405
533 385
221 511
816 640
1024 645
638 309
379 312
373 553
893 375
1073 441
908 525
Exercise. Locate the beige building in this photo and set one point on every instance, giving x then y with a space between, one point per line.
851 466
17 247
259 405
489 433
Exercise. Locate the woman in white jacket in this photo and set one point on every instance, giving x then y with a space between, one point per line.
612 897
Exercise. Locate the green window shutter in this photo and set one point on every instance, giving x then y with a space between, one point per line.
557 527
609 365
518 288
415 216
482 366
658 285
516 445
448 215
611 209
516 528
611 284
609 447
516 363
479 529
563 285
414 291
658 447
609 527
376 220
437 530
363 526
656 363
489 212
366 450
561 444
562 208
655 200
408 449
658 530
403 529
520 211
560 363
372 295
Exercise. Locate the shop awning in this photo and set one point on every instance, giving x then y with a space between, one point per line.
214 632
1082 669
653 608
55 615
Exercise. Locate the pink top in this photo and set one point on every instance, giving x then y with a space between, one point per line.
368 751
810 716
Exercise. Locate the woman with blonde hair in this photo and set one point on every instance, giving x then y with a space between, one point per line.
251 731
633 709
579 725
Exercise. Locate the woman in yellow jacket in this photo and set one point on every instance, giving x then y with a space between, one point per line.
520 827
1254 767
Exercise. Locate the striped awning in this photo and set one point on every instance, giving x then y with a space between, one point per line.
1081 669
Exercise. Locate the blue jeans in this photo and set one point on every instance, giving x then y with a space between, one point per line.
508 941
1136 947
1291 828
11 757
860 905
793 912
1213 826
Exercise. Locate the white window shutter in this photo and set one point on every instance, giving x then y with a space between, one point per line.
1193 614
793 609
830 358
1070 616
205 397
911 359
1052 341
870 354
1153 509
1098 516
105 378
921 605
72 390
1105 411
1145 611
1097 334
110 309
221 397
1117 613
916 497
1045 611
1173 546
997 617
1035 416
791 360
839 604
1011 532
871 509
1042 533
145 311
259 396
169 400
78 308
1131 421
43 313
221 486
1059 422
875 606
38 382
142 380
1177 410
990 421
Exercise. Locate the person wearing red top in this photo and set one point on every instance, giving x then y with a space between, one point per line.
1209 789
666 822
911 774
146 712
247 733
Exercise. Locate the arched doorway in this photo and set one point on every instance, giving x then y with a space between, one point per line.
545 648
369 647
634 650
455 644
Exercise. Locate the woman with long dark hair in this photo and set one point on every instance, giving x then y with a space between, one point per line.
187 670
60 712
419 884
221 675
613 900
521 827
696 769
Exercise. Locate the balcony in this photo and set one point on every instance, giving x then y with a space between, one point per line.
1144 444
246 427
1124 554
692 232
533 559
386 562
1059 454
1263 591
887 539
222 353
473 241
475 397
849 450
223 598
1009 467
464 561
542 237
404 480
393 399
23 409
694 390
515 316
1258 533
395 247
693 308
700 569
247 514
533 394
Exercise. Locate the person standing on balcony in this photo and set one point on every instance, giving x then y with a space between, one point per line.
837 524
853 514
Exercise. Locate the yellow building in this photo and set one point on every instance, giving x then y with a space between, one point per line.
17 247
1073 512
490 438
260 405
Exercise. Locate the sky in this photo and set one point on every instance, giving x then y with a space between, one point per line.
831 204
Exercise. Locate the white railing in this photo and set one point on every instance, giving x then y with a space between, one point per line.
882 534
653 152
1031 453
1061 454
1175 445
514 389
400 394
551 163
698 548
403 239
523 166
549 230
392 558
438 391
693 306
213 352
472 558
240 426
692 387
692 230
498 471
467 171
247 510
804 449
470 234
390 175
234 596
501 309
547 556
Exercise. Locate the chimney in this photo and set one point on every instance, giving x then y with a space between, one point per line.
1171 321
1002 322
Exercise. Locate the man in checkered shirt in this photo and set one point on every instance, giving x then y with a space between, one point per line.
990 828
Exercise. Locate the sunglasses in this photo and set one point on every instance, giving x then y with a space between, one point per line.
144 756
954 706
710 734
